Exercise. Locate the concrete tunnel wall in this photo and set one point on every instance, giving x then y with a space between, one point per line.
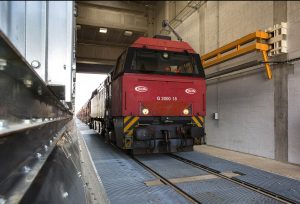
246 103
294 83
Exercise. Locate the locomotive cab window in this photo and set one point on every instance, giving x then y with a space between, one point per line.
120 64
165 62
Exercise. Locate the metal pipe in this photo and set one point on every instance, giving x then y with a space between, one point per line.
233 69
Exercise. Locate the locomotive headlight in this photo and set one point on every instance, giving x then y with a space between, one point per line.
145 111
165 55
186 111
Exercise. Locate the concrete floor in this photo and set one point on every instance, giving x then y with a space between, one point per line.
280 168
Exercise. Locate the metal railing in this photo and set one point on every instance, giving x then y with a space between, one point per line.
252 42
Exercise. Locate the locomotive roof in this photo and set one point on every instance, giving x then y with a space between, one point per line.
161 44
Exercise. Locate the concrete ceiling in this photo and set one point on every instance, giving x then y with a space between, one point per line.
137 6
97 52
114 36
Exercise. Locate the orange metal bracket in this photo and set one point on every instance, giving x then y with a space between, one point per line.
267 66
249 43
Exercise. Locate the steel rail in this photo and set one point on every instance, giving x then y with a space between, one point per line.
167 182
247 185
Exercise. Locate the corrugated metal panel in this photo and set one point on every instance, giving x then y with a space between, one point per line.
43 31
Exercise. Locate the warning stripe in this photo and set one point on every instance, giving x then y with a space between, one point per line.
196 121
199 120
202 119
130 133
131 123
126 119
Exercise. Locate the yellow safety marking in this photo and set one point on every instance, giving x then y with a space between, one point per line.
130 123
201 118
126 119
130 133
196 121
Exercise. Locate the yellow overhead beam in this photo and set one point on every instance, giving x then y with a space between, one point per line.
249 43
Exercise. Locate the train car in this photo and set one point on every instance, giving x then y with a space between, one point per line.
154 100
100 100
84 114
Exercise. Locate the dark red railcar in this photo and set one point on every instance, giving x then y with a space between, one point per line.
84 114
154 100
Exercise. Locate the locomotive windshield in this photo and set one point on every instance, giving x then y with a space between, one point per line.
155 61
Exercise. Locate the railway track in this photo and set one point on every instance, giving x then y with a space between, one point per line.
167 182
272 195
252 187
276 197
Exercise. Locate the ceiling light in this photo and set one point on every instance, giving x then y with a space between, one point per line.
128 33
103 30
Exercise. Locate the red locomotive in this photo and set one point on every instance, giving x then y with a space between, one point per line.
154 100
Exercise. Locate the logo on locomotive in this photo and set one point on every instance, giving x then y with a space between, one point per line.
190 91
141 89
